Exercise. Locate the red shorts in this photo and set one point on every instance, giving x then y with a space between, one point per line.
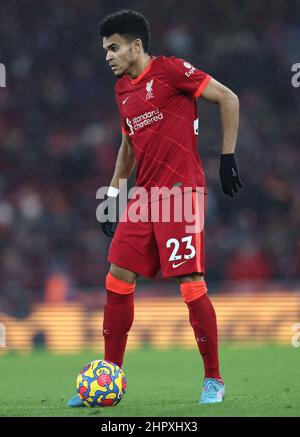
175 246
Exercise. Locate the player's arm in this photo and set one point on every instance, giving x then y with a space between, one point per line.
125 162
215 92
228 102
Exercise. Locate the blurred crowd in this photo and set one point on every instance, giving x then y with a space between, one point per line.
60 133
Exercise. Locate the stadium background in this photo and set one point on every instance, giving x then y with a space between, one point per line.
59 137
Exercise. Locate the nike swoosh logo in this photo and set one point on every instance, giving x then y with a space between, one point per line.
234 173
124 101
177 265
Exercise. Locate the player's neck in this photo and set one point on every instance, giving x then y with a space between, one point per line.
140 66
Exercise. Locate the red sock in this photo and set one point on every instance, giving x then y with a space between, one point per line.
204 323
118 318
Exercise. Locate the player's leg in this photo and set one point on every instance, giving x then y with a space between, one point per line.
133 251
203 320
181 250
123 274
118 312
118 317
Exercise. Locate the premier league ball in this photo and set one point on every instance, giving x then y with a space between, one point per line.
101 384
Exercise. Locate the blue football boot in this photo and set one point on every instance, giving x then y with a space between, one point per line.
213 390
75 402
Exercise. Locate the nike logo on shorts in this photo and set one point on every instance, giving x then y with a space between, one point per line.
124 101
177 265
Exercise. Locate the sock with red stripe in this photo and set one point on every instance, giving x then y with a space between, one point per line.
118 318
204 323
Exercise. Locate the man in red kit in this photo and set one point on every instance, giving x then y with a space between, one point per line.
157 100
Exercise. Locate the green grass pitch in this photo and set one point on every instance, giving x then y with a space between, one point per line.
260 381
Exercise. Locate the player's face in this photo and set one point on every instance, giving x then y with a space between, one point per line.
120 53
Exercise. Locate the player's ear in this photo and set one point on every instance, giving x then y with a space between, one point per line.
137 46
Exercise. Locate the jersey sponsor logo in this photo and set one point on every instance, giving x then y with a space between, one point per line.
125 100
149 86
144 120
190 67
178 264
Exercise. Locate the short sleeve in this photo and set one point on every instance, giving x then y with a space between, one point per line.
185 77
124 126
124 129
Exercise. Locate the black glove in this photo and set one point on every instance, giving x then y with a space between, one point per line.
229 174
109 224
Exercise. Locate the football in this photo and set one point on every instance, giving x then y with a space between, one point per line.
101 384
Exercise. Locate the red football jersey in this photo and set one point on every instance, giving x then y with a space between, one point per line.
159 112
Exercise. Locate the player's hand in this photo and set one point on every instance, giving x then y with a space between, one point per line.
108 219
229 174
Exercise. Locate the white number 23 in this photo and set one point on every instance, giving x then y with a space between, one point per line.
188 246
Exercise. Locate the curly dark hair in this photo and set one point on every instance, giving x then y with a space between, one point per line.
127 23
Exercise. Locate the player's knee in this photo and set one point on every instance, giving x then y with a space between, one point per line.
118 286
192 290
192 277
123 274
